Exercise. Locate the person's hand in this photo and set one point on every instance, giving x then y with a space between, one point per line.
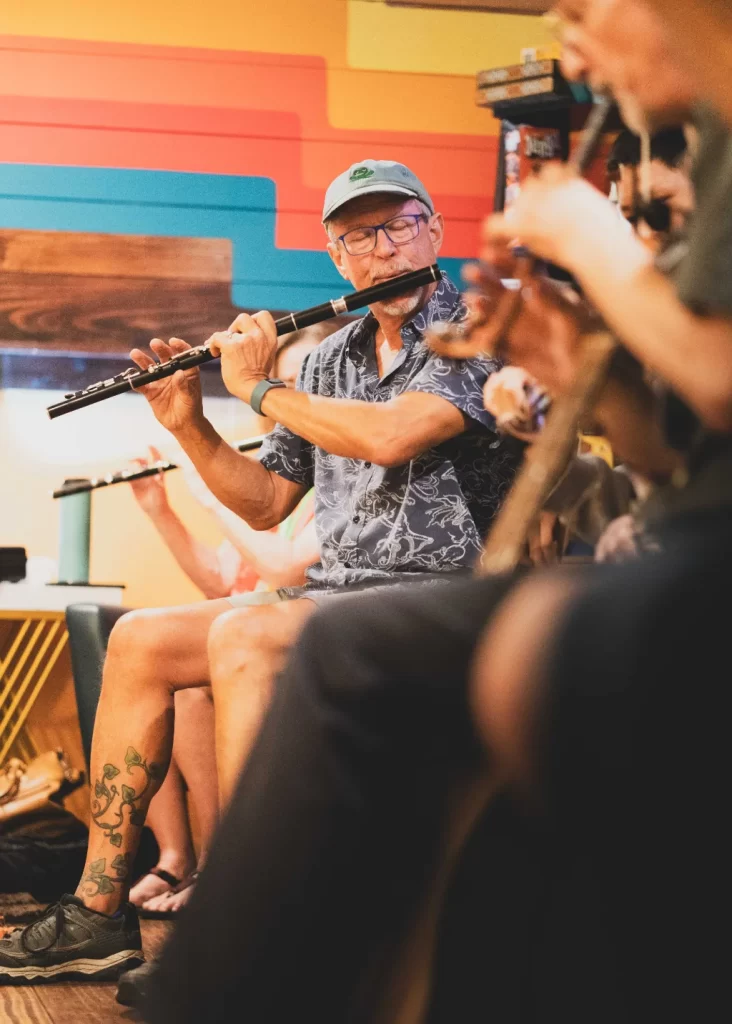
545 336
150 492
195 484
247 351
558 216
507 397
541 543
619 541
176 400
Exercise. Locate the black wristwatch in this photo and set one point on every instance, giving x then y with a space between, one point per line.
261 390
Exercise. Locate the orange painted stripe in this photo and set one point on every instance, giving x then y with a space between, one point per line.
216 79
252 143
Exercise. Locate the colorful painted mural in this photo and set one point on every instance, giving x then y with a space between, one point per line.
228 119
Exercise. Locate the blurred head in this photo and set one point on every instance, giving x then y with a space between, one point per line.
623 46
702 37
381 223
671 191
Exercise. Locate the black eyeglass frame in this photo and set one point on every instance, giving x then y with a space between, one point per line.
376 228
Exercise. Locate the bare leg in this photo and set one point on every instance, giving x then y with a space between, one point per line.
168 818
193 751
195 754
150 655
247 648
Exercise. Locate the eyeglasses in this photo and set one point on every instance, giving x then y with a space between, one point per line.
399 230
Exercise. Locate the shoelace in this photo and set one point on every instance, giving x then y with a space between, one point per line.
58 911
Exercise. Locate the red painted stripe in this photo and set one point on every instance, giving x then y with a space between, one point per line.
190 77
161 137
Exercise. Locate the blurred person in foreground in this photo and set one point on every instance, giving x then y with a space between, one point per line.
626 760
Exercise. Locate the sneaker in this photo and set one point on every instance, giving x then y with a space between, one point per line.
71 941
134 985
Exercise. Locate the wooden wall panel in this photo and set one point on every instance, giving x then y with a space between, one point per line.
109 314
98 255
111 293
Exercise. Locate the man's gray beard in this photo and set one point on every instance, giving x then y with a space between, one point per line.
401 307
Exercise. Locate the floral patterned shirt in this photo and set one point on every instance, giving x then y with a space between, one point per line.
428 515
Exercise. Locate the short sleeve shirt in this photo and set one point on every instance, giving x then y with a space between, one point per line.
428 515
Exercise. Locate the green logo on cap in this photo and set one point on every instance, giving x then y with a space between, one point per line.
359 173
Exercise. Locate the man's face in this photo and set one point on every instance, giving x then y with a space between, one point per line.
621 45
670 185
387 259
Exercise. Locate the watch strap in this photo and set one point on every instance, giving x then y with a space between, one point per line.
261 389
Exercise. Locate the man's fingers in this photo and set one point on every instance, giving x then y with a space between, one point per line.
178 345
242 325
265 321
216 342
161 349
141 359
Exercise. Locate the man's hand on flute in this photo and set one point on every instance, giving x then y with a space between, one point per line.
176 400
247 351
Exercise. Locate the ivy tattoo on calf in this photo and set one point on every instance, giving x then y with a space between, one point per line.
108 805
105 883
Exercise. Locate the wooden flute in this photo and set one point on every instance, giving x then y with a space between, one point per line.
134 377
126 476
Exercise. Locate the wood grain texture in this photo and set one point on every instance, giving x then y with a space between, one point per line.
22 1006
111 314
104 255
76 1002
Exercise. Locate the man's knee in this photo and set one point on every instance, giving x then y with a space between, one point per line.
135 633
253 638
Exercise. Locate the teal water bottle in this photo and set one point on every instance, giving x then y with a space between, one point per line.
74 537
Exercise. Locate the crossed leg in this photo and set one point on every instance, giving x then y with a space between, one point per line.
150 655
192 768
153 653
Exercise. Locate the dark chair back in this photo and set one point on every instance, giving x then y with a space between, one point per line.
89 626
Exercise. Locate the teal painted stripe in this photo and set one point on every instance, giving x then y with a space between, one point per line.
176 204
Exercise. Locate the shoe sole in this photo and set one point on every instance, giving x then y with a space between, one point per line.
107 969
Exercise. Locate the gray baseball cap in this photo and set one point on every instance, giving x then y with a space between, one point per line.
369 176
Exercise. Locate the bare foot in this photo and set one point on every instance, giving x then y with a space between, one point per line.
152 885
174 900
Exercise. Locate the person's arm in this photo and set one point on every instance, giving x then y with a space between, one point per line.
278 560
565 220
260 496
386 433
198 561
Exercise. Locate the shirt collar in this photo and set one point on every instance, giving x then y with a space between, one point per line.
445 304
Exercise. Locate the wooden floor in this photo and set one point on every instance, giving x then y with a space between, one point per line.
76 1002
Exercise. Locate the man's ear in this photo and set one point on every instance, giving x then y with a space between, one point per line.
337 256
436 228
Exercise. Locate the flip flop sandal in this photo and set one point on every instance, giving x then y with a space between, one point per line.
168 915
170 880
